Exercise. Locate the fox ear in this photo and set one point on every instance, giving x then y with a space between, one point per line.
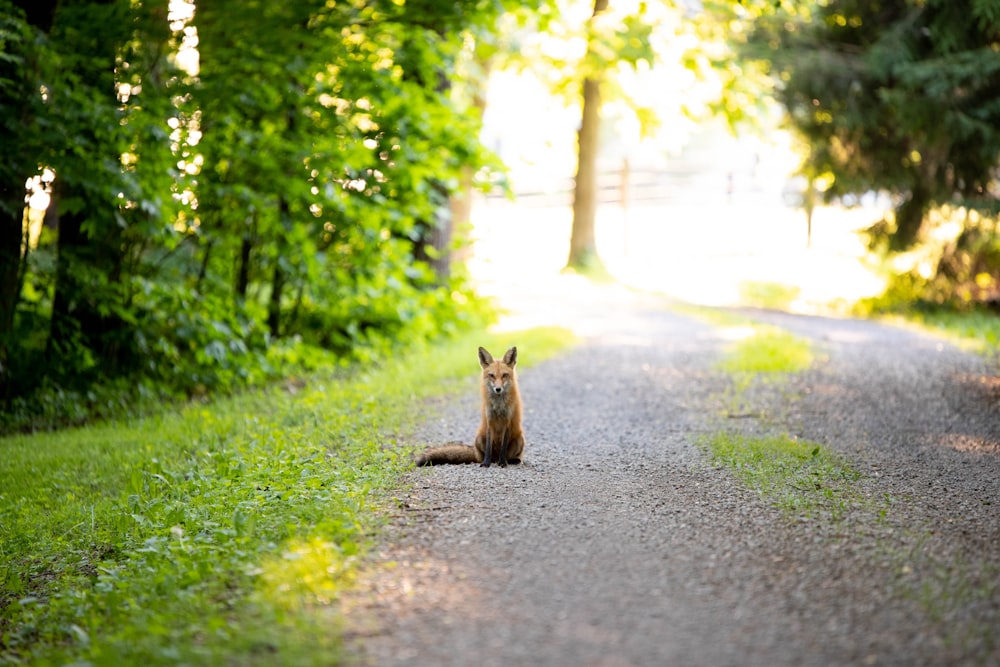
485 358
511 357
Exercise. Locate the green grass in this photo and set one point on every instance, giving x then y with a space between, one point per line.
978 331
767 354
799 477
768 350
219 535
774 296
761 349
802 478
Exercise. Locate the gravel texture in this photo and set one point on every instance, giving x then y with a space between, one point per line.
617 543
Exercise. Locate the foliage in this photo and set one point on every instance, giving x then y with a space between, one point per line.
900 96
222 534
956 267
278 193
615 38
976 328
718 55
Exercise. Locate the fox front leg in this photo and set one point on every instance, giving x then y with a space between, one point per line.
503 449
488 449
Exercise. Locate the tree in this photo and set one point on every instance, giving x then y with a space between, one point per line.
284 190
901 96
20 105
611 40
89 284
583 241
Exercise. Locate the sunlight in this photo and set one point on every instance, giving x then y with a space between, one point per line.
180 14
698 253
308 572
969 444
687 209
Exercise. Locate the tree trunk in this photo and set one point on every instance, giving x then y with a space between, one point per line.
583 242
243 262
461 218
88 286
10 287
440 240
279 277
461 201
910 218
433 245
17 102
274 306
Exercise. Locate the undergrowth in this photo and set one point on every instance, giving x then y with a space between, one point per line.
218 535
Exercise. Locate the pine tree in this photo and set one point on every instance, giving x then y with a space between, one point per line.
901 96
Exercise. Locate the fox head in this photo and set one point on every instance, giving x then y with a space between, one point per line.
498 375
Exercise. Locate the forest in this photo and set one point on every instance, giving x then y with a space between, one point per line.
196 197
230 191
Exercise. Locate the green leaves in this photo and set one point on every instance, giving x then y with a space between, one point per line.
897 98
284 189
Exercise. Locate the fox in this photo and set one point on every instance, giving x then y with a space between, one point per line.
500 438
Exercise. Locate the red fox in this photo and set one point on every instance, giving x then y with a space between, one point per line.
500 438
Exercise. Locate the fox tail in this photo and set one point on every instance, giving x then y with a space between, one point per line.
450 453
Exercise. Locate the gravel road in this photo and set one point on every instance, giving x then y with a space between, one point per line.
618 543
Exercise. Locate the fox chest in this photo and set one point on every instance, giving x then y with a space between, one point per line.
499 408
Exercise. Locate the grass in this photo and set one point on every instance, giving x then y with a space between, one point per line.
770 295
768 350
808 480
765 354
803 478
760 348
978 331
218 535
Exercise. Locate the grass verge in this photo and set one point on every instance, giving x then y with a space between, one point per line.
976 331
218 535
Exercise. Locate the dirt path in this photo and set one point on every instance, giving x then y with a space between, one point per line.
616 542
